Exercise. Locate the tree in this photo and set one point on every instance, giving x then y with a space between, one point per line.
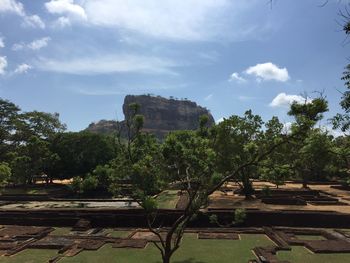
343 120
5 174
39 124
341 162
238 141
306 115
9 113
21 170
276 167
189 159
80 152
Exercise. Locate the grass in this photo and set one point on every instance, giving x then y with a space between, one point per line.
23 191
167 199
310 237
34 189
192 250
300 254
118 233
30 256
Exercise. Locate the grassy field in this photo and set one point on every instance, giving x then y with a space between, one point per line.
301 255
310 237
118 233
192 250
30 256
167 199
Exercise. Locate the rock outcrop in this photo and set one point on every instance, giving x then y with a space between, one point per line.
161 115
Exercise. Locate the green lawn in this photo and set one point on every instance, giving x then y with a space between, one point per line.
192 250
300 254
38 189
310 237
24 190
167 199
118 233
30 256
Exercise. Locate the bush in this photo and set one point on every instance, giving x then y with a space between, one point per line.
88 184
240 215
5 174
76 184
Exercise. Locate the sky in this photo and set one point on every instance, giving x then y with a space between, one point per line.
81 57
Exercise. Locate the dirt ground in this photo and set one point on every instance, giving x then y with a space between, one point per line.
228 200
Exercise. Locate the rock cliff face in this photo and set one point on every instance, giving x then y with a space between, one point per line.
161 115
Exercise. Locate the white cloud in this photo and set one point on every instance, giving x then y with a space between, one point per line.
62 22
3 65
209 97
268 71
12 6
285 100
189 20
287 127
33 21
108 64
34 45
219 120
22 68
39 43
236 77
2 43
334 133
67 8
18 46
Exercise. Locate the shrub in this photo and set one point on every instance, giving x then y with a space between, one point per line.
89 184
5 174
240 215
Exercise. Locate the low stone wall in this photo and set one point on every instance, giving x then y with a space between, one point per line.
136 218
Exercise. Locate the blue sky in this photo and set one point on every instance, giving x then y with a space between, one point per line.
81 57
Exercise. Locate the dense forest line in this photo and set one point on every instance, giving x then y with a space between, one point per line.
35 143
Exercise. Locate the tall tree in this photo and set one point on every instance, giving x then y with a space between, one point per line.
9 113
306 116
80 152
276 168
238 141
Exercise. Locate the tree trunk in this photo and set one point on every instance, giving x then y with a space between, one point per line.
305 185
166 258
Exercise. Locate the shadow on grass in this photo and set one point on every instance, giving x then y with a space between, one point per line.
189 260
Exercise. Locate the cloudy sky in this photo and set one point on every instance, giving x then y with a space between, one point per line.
81 57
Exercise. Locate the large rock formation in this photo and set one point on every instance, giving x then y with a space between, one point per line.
161 115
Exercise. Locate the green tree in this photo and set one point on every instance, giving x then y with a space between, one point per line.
5 174
190 159
276 167
80 152
238 140
9 113
21 170
306 116
343 120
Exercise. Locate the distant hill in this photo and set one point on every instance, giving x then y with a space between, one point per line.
161 115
